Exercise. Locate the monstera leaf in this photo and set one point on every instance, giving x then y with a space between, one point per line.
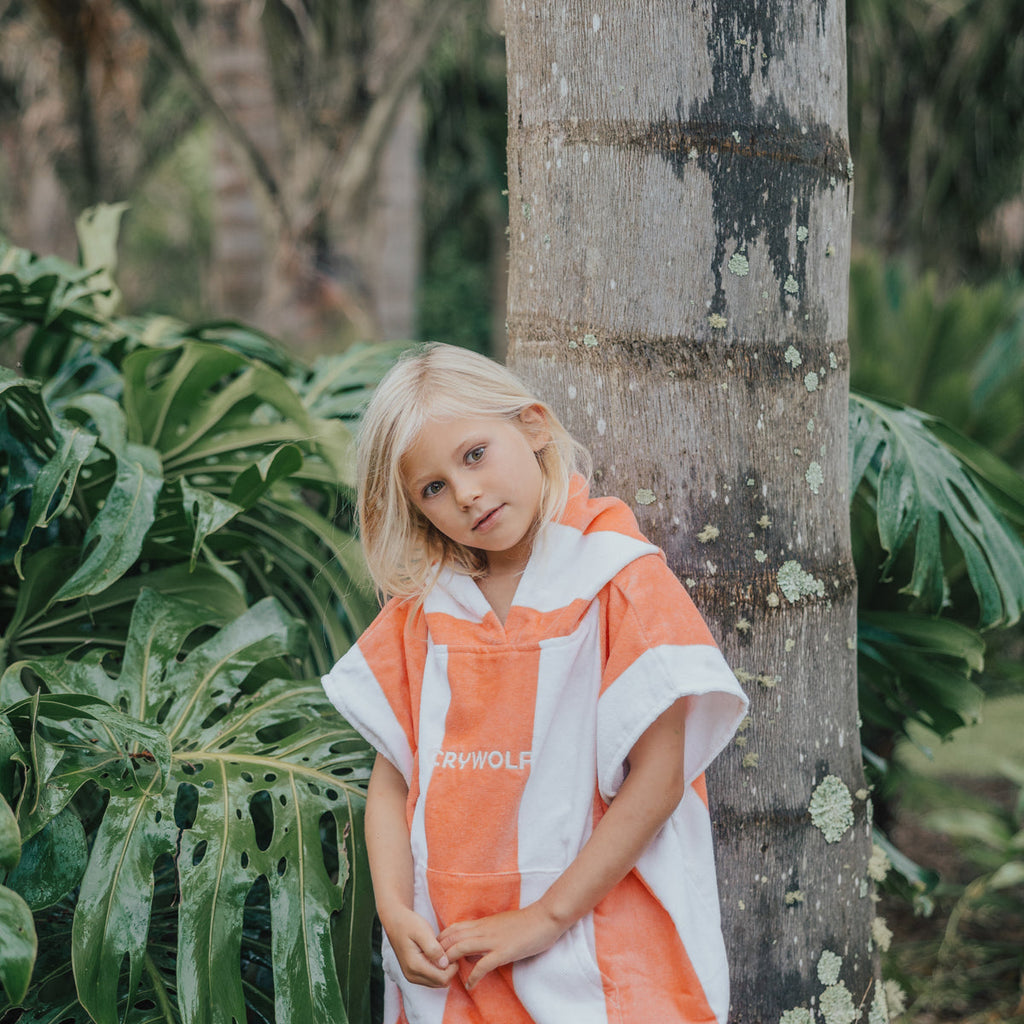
16 925
917 668
926 495
205 459
257 817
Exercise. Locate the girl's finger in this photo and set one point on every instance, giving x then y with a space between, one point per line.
483 967
456 948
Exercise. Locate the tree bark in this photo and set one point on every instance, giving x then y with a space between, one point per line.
240 81
680 198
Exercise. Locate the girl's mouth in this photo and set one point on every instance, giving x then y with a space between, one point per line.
486 521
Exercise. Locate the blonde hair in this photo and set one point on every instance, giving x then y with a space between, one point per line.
404 551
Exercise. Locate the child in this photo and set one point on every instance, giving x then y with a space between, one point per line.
544 699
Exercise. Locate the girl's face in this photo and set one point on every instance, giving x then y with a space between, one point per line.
479 482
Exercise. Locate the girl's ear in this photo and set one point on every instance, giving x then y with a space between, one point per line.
534 424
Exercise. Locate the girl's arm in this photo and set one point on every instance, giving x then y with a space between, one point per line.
422 958
649 794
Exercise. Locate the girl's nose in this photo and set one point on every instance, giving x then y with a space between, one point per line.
466 490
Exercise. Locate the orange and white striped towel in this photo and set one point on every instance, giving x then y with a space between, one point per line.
513 739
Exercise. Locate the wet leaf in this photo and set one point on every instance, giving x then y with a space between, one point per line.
18 951
52 862
262 785
925 492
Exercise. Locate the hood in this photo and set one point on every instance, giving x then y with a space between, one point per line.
572 559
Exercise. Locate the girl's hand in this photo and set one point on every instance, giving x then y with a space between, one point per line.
500 939
420 955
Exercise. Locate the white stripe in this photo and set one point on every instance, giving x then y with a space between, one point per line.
661 675
679 868
353 689
562 985
422 1005
556 806
426 1005
435 699
567 565
456 595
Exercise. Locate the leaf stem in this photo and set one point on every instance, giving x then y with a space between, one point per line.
160 990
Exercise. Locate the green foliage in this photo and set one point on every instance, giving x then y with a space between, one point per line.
976 959
936 98
957 353
151 444
937 504
235 786
16 924
938 560
178 565
465 212
922 490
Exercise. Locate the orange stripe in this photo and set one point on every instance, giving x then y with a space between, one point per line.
642 957
634 611
602 515
396 663
701 788
493 1001
491 711
526 625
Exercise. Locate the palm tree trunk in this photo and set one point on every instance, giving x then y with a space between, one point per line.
240 81
680 202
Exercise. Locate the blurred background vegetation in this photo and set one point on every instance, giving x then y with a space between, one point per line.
333 173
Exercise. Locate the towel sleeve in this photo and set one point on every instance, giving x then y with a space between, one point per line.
372 684
658 650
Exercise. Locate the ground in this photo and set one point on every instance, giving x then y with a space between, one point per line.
964 962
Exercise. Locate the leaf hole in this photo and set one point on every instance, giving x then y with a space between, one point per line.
215 716
330 850
278 731
261 810
257 941
199 853
186 805
164 710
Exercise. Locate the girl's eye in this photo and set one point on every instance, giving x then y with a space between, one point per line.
434 487
475 454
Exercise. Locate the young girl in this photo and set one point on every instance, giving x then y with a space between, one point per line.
544 699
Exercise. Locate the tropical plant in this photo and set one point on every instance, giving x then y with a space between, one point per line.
974 961
933 612
936 525
939 560
231 832
177 567
955 352
20 942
